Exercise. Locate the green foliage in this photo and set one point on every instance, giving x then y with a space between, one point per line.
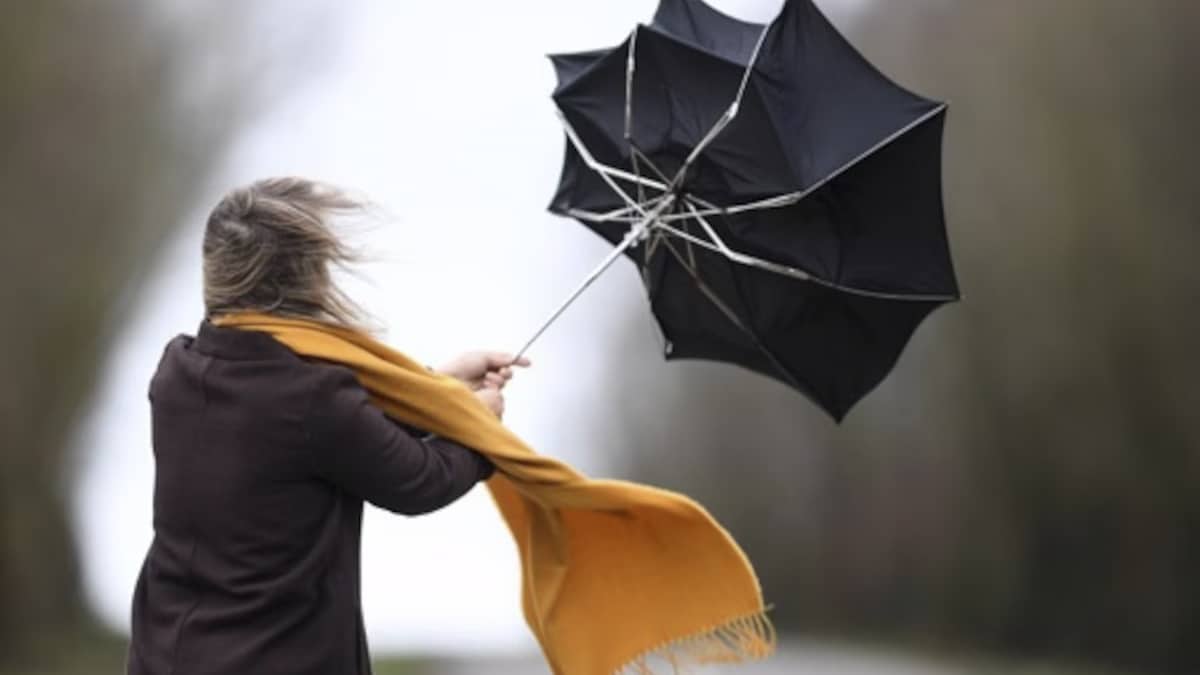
114 115
84 651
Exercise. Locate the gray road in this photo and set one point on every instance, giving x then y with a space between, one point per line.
792 659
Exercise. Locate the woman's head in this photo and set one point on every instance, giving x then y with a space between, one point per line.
270 246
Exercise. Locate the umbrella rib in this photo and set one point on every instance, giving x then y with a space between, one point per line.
729 113
792 197
608 173
601 217
634 154
630 65
637 152
620 215
637 171
721 247
733 317
786 270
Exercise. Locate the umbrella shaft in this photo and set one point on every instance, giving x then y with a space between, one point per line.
632 237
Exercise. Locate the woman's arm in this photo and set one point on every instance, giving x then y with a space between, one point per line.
355 446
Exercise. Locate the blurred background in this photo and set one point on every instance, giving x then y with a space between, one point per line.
1018 497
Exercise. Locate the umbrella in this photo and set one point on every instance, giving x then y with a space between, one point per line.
780 196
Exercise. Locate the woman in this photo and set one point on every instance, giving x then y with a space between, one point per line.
263 459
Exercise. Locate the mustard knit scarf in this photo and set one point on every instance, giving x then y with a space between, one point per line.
614 575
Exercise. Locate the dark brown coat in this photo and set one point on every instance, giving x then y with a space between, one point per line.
263 460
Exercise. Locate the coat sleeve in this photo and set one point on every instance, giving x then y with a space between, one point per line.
356 447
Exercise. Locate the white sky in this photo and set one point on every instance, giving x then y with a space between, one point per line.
440 113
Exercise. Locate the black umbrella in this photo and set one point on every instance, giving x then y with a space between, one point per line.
780 196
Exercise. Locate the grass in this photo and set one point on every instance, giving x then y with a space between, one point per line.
400 667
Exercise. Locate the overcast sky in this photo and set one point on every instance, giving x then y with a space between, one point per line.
440 113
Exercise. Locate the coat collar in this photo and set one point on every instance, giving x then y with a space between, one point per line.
238 344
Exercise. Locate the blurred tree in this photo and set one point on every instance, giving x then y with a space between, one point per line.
114 114
1025 480
1069 173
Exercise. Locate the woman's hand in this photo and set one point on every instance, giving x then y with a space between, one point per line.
493 399
482 369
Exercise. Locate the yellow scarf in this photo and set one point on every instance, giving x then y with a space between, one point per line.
614 574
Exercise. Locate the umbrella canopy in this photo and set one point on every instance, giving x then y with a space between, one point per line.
780 196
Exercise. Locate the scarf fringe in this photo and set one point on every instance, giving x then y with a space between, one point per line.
745 638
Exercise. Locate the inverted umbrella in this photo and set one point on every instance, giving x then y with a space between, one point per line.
780 196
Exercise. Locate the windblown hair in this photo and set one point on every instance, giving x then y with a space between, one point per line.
270 246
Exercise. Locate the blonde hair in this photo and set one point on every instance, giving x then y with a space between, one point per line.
270 246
